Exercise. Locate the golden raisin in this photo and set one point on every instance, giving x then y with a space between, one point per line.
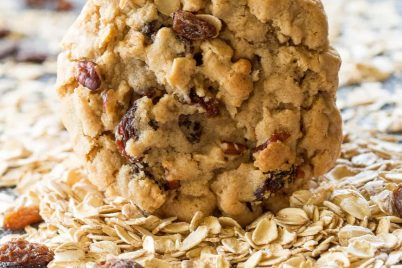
21 253
21 217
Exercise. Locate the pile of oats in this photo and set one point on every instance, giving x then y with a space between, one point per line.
348 218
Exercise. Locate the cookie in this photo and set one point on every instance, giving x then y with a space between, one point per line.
201 105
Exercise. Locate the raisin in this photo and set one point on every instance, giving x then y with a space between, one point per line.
153 124
398 200
151 28
125 131
4 33
189 26
21 253
198 59
30 56
250 206
211 105
276 137
231 148
173 185
7 48
192 129
275 181
21 217
88 75
153 93
64 5
35 3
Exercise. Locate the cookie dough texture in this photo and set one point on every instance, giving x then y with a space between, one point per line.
201 104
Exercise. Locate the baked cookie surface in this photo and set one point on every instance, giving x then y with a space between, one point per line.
203 105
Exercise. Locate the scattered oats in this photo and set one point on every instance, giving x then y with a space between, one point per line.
265 232
334 208
229 222
350 231
234 245
195 238
196 221
149 244
253 261
163 224
292 216
213 225
177 228
361 248
127 236
333 259
352 203
394 258
105 247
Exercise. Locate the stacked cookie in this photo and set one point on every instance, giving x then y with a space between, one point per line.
201 105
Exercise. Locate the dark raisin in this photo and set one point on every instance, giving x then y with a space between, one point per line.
154 124
88 75
275 182
152 93
231 148
7 48
125 131
192 129
173 185
21 217
31 56
117 263
276 137
211 105
398 200
198 58
4 33
35 3
21 253
249 206
151 28
189 26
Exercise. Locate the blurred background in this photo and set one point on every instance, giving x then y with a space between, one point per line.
34 144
